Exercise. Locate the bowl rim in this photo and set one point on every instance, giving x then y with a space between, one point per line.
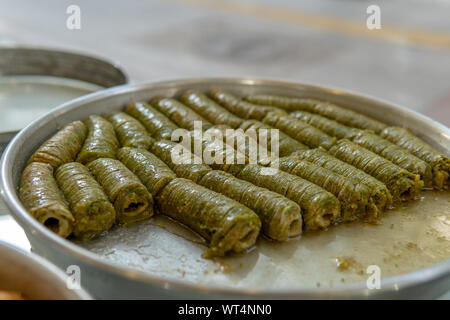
56 273
68 54
389 284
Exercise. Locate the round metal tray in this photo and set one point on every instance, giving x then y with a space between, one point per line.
107 280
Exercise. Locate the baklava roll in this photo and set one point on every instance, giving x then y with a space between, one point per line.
157 124
227 225
440 163
299 130
41 196
130 132
396 155
330 127
403 185
130 197
286 144
180 114
209 109
153 172
354 197
101 141
90 206
280 217
218 155
181 160
319 207
371 141
326 109
239 107
379 192
62 147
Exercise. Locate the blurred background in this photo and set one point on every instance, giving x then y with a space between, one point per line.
325 42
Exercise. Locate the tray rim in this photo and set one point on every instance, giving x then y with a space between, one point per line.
390 284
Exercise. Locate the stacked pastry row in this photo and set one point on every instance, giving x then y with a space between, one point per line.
335 165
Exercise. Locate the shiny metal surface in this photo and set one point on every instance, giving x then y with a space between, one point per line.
34 277
40 61
24 98
107 280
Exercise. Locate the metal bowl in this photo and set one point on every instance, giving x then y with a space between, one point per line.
24 68
107 280
29 61
34 277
